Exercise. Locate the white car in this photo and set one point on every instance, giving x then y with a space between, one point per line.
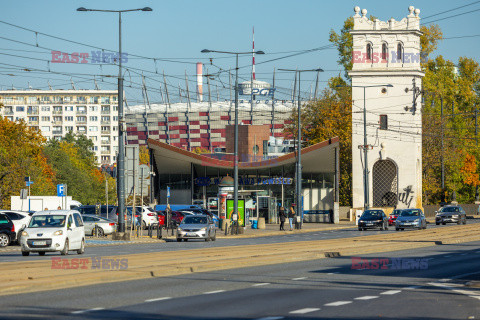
20 220
149 216
55 230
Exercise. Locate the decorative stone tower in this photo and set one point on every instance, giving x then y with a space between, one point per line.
386 112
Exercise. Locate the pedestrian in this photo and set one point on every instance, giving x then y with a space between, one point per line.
291 216
59 208
168 218
282 218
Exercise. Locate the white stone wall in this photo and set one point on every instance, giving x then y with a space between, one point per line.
402 142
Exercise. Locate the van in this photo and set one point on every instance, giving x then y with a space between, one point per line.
52 231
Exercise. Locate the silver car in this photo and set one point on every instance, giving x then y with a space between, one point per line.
104 226
196 227
410 218
450 214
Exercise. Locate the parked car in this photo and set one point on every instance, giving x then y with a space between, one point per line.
411 218
373 219
177 216
148 215
196 227
104 226
20 220
161 218
99 211
393 216
7 230
54 230
450 214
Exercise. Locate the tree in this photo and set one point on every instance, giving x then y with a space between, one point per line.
21 155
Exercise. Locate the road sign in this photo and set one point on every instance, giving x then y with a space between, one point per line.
168 192
61 190
28 183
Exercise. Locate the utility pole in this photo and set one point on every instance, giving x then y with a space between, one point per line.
442 159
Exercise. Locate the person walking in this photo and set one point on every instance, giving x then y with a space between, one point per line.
282 218
291 216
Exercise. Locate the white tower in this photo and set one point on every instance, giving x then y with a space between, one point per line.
386 66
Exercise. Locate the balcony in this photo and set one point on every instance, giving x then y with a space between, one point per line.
105 142
32 112
81 122
105 122
106 131
8 113
58 112
105 111
33 123
57 132
105 152
81 112
58 123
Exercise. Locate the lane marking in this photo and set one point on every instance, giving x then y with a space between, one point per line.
366 298
158 299
301 278
270 318
212 292
451 286
304 310
337 303
411 287
390 292
87 310
332 273
260 284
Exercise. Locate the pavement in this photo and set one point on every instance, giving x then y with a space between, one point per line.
313 289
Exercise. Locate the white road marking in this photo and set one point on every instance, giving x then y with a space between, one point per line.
158 299
411 287
301 278
270 318
260 284
212 292
88 310
304 310
337 303
366 298
452 286
332 273
390 292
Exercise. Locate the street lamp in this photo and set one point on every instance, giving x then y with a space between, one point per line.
366 194
235 156
298 184
121 120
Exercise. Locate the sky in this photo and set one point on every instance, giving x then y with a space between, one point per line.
175 32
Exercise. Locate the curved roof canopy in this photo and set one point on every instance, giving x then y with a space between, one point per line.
316 158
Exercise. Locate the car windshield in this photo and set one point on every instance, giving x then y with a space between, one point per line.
47 221
372 214
195 220
396 212
449 209
410 213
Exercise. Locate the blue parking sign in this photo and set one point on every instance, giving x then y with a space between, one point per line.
168 192
60 190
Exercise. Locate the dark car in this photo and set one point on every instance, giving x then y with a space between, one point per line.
450 214
393 216
371 219
177 216
7 231
197 211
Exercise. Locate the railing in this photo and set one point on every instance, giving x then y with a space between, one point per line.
57 132
32 112
81 111
8 113
57 122
105 131
33 123
105 142
57 112
105 152
105 111
105 122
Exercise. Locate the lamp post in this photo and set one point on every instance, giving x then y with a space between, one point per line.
298 184
366 194
235 156
121 120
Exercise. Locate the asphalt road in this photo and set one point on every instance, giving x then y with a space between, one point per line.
317 289
12 253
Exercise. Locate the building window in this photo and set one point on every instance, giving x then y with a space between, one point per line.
45 108
369 52
383 122
105 100
57 119
93 108
45 118
20 109
384 52
45 129
81 119
32 119
68 129
32 100
94 100
82 99
93 128
69 108
93 118
399 52
105 119
69 118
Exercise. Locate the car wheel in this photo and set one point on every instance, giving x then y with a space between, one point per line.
437 223
25 253
100 232
207 238
4 240
444 223
64 252
214 236
396 229
465 221
360 229
41 253
402 229
459 221
82 247
185 240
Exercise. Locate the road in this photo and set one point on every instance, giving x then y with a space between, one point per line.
316 289
13 254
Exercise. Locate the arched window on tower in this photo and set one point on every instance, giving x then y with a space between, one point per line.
384 52
369 52
399 52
